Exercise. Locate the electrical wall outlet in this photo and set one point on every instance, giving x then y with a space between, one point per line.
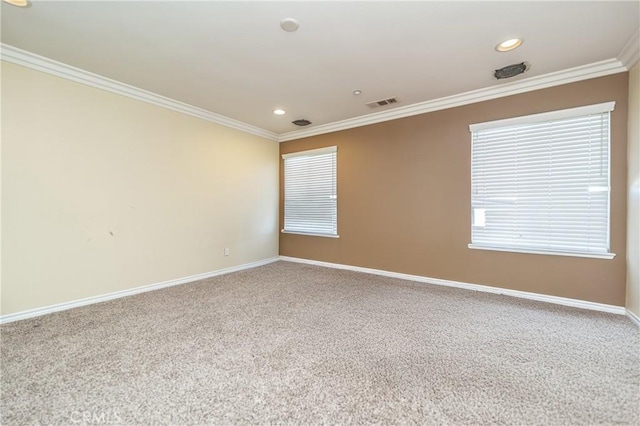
226 251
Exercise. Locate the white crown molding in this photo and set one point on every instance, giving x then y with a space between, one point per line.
124 293
571 75
575 303
628 56
630 53
40 63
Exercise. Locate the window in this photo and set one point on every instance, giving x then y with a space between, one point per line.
310 192
540 183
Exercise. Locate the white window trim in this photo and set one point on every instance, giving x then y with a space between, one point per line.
284 231
537 118
311 153
552 253
545 116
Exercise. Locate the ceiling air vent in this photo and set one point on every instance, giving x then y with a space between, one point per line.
511 70
301 122
382 102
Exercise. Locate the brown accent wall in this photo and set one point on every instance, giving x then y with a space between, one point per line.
404 199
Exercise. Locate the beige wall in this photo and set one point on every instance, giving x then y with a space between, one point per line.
102 193
633 207
404 199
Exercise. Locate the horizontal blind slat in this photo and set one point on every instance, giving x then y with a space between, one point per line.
543 185
310 193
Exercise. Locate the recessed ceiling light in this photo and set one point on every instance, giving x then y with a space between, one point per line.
289 24
279 112
19 3
508 45
357 92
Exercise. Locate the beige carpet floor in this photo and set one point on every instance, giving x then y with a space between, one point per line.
297 344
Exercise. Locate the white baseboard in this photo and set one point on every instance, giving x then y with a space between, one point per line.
635 318
476 287
437 281
130 292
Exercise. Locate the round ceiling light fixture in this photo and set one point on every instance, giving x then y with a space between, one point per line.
510 44
289 25
19 3
279 111
357 92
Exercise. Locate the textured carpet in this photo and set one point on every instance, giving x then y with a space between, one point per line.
291 343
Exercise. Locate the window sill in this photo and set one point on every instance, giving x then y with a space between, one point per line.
310 234
551 253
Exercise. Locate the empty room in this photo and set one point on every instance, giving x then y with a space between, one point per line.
320 212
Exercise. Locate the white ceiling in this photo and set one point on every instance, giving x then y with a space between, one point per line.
232 58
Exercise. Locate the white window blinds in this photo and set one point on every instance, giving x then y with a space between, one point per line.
310 192
541 183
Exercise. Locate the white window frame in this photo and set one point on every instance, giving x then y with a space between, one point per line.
606 107
331 174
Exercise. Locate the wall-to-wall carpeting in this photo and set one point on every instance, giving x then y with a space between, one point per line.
304 344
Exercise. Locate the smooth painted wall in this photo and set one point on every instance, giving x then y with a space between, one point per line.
404 199
102 193
633 202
